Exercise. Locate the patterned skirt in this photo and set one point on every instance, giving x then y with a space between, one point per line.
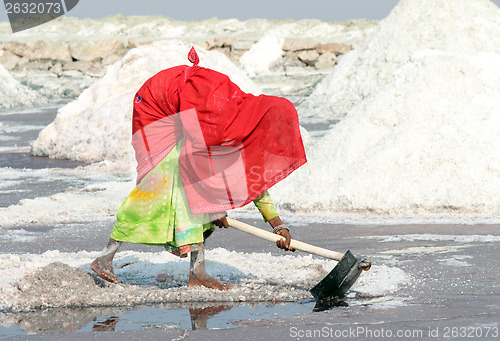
157 211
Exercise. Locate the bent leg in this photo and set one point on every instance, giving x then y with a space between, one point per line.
103 265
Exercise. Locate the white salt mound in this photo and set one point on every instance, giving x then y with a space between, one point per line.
427 142
14 94
97 126
263 55
449 25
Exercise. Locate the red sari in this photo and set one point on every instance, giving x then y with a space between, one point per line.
235 145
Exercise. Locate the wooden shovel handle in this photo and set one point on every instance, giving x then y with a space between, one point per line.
275 237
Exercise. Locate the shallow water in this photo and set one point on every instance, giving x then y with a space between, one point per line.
21 127
221 316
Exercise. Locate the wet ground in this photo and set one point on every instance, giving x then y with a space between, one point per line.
453 291
454 285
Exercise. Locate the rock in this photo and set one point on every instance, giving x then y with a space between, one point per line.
31 47
97 70
297 70
225 50
336 48
292 44
44 66
111 59
291 59
97 51
132 44
57 69
9 60
242 44
324 65
310 57
236 55
52 52
15 47
210 44
22 62
223 41
202 45
326 61
81 66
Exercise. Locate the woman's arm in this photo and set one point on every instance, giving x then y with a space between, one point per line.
265 205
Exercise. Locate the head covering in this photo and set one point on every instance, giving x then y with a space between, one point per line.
235 145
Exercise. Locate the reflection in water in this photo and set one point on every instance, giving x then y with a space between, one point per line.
200 316
329 303
196 316
108 325
67 320
163 316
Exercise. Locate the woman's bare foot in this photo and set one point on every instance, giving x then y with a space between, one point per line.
207 281
198 276
103 265
104 269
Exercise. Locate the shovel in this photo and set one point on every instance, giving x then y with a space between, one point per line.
338 281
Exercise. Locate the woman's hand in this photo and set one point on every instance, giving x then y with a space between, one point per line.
284 243
219 219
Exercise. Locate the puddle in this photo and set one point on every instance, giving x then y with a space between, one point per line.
221 316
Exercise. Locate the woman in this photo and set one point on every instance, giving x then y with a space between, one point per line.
203 147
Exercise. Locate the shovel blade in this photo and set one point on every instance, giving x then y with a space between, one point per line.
340 279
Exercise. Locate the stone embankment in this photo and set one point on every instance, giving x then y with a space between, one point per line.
53 67
296 52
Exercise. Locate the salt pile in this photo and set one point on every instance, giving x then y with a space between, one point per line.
457 25
427 142
97 125
423 138
14 94
263 54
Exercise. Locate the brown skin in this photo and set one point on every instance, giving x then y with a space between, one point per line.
283 243
197 274
103 265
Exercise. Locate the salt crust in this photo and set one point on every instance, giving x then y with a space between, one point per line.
31 281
